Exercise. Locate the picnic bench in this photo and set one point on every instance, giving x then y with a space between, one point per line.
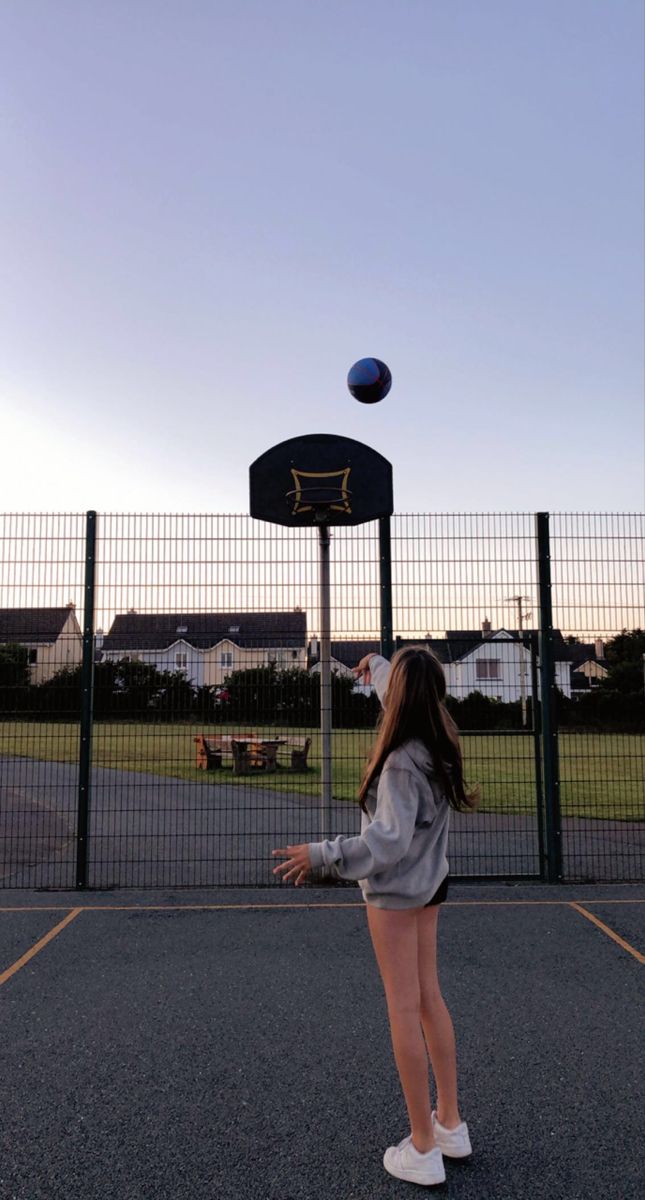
211 748
249 751
300 748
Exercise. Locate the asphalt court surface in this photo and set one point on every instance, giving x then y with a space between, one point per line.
234 1044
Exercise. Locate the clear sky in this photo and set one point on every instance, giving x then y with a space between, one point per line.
210 208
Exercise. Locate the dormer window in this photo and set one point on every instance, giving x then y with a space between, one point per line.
182 629
234 629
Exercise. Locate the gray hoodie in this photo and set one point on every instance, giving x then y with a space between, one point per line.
399 858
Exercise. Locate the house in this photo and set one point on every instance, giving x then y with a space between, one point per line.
496 663
51 636
347 654
207 647
588 664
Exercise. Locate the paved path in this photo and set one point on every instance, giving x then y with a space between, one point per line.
167 1053
155 831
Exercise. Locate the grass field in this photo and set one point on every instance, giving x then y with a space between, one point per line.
602 775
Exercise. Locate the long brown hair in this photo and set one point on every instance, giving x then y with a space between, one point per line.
414 708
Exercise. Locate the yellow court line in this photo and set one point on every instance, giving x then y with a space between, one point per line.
278 905
610 933
21 962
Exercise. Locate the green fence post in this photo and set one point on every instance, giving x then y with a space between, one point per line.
548 705
87 697
385 553
536 713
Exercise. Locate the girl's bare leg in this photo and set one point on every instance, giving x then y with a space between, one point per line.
436 1021
394 937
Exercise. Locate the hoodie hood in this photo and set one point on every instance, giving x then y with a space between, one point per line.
419 753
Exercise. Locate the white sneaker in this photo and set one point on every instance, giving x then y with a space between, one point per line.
406 1162
454 1143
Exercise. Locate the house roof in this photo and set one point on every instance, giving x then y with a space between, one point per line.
158 631
456 645
439 646
350 653
40 625
463 642
582 652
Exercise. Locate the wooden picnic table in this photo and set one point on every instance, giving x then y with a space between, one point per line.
255 752
250 751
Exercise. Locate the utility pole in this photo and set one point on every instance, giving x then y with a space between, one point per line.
521 617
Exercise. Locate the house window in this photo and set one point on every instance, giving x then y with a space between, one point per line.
181 661
33 657
227 658
294 653
489 668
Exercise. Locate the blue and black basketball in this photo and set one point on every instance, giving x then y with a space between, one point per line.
369 380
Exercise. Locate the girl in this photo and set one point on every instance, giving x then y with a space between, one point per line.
413 778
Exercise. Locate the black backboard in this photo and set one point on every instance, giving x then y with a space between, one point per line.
321 479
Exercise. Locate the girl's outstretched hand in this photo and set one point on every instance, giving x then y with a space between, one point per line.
363 669
298 862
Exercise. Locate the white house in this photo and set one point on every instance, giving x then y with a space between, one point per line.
51 636
498 666
207 647
495 663
589 665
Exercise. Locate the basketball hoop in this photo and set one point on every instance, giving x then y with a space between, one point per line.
319 501
304 481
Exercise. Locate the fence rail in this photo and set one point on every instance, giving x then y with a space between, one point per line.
124 638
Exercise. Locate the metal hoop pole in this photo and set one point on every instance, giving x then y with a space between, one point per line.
385 553
325 683
87 705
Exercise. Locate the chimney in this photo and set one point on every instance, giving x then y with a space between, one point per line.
486 629
599 648
70 604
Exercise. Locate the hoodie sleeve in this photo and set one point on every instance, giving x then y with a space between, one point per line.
388 836
380 673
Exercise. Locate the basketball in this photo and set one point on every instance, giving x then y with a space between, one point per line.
369 380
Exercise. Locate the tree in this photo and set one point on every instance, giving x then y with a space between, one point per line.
268 695
624 655
14 676
265 694
127 688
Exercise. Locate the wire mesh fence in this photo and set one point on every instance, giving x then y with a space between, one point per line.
42 569
598 598
186 744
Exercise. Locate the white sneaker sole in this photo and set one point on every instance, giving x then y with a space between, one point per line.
409 1174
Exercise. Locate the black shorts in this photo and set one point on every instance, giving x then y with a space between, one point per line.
440 894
